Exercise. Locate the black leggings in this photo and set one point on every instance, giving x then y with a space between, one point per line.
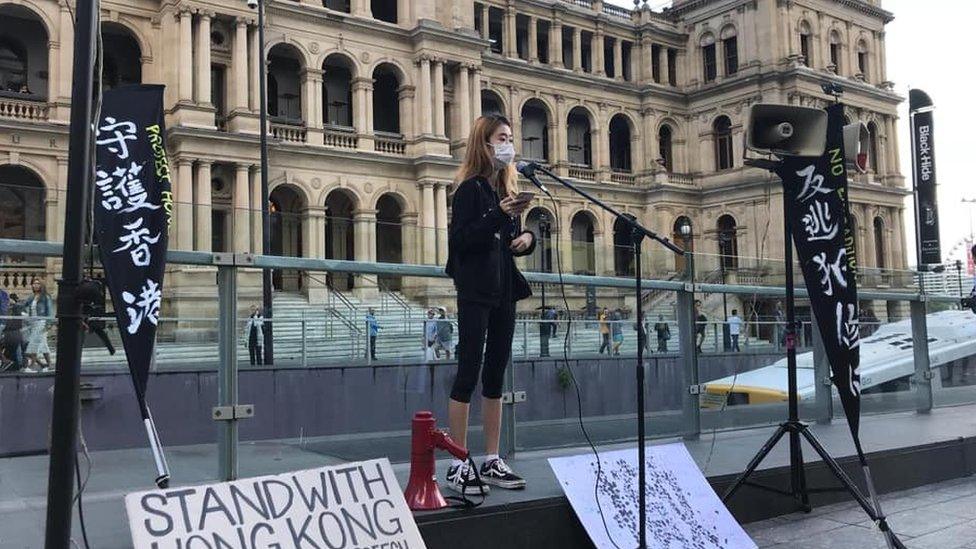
479 324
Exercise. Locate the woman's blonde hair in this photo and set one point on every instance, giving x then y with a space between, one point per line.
479 158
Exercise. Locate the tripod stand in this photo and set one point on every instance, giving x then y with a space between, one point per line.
795 428
637 235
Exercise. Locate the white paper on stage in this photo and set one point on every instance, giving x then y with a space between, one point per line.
683 512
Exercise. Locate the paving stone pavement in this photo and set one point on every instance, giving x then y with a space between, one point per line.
935 516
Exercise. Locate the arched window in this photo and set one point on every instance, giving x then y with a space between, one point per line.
584 255
287 205
284 67
337 92
730 50
541 222
384 10
805 41
623 249
728 245
722 130
338 5
708 57
874 161
491 103
578 138
340 237
620 160
24 46
122 58
835 56
862 59
664 137
389 236
683 234
386 99
879 243
535 130
22 210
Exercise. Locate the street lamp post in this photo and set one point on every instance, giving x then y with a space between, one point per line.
265 198
724 237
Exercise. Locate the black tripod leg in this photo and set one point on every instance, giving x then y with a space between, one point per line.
797 472
756 460
840 474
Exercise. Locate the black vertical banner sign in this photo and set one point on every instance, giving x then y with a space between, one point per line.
133 205
923 163
815 190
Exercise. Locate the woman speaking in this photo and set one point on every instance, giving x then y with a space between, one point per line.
484 236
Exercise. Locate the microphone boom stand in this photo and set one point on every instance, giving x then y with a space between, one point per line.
637 235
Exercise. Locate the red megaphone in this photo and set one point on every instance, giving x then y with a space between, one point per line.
422 493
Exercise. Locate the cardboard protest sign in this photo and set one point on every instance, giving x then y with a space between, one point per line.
355 505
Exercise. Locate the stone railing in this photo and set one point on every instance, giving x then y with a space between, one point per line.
680 179
341 137
588 4
616 11
293 133
21 109
625 178
582 172
389 144
15 277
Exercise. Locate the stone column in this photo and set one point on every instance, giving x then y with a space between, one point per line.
510 38
313 240
485 22
577 49
602 135
424 122
186 56
254 68
53 56
870 253
881 56
364 248
562 153
242 204
406 98
202 50
464 100
239 64
646 72
662 62
257 202
892 144
475 93
596 53
408 236
62 193
438 106
363 105
514 116
361 8
66 37
440 219
556 44
203 230
184 204
650 149
533 40
428 223
618 59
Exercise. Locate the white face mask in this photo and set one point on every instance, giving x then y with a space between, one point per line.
504 152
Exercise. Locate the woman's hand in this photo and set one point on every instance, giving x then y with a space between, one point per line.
512 207
521 243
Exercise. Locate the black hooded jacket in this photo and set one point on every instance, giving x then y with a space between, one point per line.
479 258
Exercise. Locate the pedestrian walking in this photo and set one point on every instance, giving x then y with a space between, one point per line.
700 322
617 330
254 336
735 328
430 336
663 332
40 309
11 340
373 329
604 319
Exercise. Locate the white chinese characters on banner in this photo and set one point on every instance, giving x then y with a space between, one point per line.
831 271
144 307
812 183
123 192
849 334
819 224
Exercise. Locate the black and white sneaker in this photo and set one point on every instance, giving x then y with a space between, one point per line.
461 479
498 473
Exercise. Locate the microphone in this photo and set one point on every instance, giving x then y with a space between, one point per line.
528 170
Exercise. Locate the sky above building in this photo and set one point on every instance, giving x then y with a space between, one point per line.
927 48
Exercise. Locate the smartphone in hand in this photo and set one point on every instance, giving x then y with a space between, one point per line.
524 197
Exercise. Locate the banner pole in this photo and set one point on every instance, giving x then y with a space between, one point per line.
65 413
266 290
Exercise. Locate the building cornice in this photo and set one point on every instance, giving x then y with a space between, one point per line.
856 5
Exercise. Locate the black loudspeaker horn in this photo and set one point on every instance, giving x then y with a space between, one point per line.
786 130
856 139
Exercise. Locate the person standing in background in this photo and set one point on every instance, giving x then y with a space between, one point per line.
735 328
373 329
254 336
663 334
430 336
700 323
40 307
445 335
